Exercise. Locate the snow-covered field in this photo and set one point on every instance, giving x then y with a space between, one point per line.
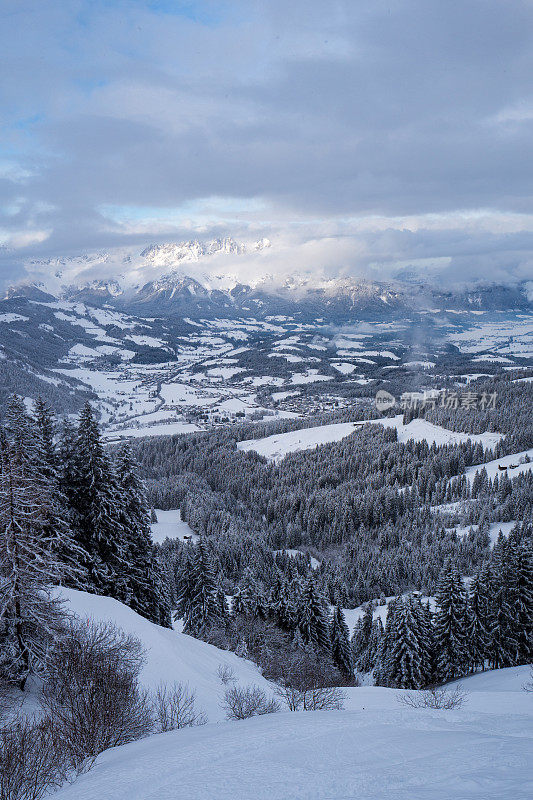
278 446
166 429
170 525
420 430
373 750
493 467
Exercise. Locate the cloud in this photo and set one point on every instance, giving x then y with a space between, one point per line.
399 124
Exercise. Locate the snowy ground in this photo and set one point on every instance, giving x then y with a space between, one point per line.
170 525
277 447
373 750
493 467
162 429
170 656
420 430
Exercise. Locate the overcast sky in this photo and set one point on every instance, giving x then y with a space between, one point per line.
375 136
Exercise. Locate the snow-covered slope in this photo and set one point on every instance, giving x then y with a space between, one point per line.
170 525
170 656
278 446
514 465
420 430
375 749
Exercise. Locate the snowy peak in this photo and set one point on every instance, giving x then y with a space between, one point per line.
224 275
168 255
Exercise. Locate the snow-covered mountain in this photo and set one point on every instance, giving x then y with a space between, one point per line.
225 277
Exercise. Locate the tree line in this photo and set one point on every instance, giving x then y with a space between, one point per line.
69 515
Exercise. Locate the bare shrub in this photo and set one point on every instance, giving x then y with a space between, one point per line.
174 707
6 702
265 642
32 759
528 687
241 702
306 684
436 697
92 694
226 674
83 647
323 698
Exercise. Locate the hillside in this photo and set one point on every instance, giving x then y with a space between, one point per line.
170 656
373 750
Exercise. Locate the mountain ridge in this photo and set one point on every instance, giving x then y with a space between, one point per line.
206 278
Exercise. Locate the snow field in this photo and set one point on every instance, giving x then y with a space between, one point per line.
375 749
167 429
279 445
170 525
493 467
420 430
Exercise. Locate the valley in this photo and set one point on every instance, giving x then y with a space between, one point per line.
177 374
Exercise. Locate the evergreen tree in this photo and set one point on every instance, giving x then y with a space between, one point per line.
245 598
361 637
98 514
341 652
313 621
385 667
450 625
426 639
281 605
185 583
144 578
478 621
203 608
405 663
524 603
30 616
59 515
503 647
371 656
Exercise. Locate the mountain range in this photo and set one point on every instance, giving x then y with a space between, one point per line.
206 279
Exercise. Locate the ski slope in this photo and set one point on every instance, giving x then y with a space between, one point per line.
375 749
170 656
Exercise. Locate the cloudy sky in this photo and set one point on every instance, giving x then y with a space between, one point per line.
368 137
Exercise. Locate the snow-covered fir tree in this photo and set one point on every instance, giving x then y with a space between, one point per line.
203 606
524 602
361 636
312 616
144 574
450 625
478 620
405 658
30 615
98 518
341 651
